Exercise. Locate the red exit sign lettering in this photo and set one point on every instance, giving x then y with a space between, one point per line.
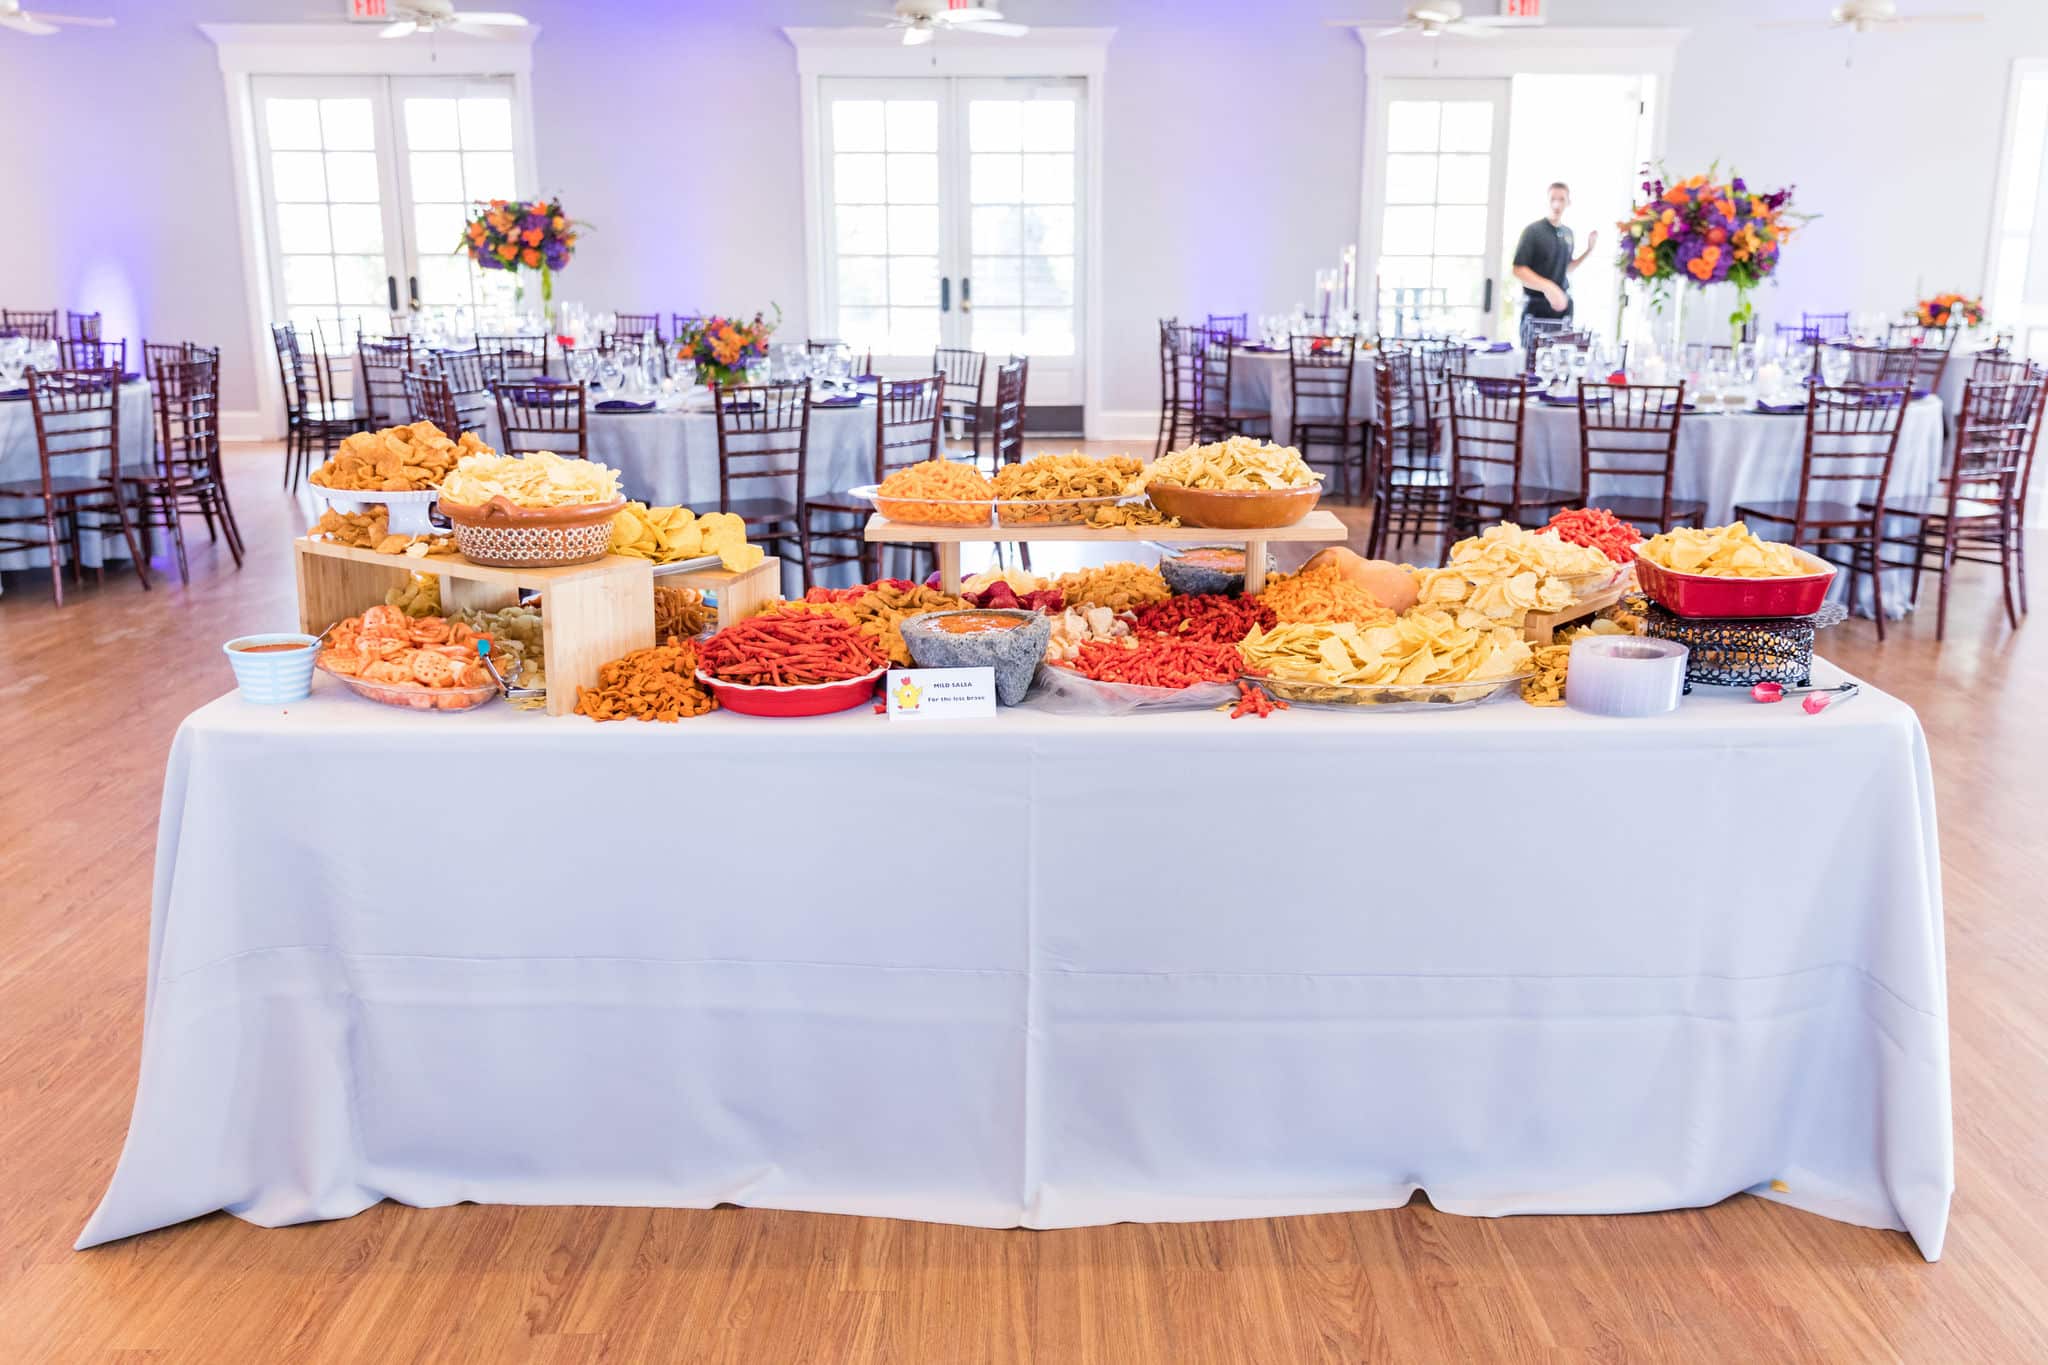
369 10
1522 9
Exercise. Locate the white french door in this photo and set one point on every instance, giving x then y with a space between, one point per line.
1441 151
366 182
954 217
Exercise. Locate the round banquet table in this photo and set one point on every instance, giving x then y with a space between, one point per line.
19 460
1728 458
1259 379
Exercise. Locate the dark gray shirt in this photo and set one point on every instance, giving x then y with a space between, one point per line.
1547 249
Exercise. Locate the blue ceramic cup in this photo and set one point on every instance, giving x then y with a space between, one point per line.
271 677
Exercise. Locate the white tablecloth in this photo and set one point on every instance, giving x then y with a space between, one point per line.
1046 971
19 460
1729 458
1261 380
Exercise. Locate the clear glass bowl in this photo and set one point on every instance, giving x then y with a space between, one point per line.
928 511
1397 696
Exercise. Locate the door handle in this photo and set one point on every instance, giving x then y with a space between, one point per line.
412 285
1486 302
966 295
945 294
391 288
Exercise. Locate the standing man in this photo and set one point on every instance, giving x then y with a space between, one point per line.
1544 263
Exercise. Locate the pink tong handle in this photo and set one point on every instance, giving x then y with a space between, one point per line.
1817 699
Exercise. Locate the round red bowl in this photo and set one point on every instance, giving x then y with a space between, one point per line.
1701 596
815 699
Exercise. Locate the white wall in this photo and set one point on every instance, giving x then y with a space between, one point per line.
1231 155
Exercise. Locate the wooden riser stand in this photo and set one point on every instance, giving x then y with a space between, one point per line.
590 613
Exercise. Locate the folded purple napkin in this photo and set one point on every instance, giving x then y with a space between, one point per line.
845 400
1683 407
1788 409
622 405
9 394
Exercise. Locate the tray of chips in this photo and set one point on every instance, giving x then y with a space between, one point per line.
1052 511
928 511
1388 696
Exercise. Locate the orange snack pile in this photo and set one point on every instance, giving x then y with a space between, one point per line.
937 493
1205 616
1156 661
1322 594
384 645
878 610
648 684
790 647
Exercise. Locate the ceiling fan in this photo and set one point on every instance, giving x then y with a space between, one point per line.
924 20
13 16
1865 16
433 16
1436 18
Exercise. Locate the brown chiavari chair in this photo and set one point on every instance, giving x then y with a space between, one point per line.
681 325
81 326
1976 518
1917 368
1012 377
1216 416
963 370
156 353
1996 367
429 397
510 358
1238 325
1320 374
469 378
907 416
78 426
764 438
542 416
1852 435
863 364
36 326
281 342
1179 371
384 365
637 325
90 353
1628 435
323 418
1563 338
1897 334
1486 432
185 475
1411 495
1826 326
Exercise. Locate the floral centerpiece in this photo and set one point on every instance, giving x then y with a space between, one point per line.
1943 309
507 234
721 348
1704 231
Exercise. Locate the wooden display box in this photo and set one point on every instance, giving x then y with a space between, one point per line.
1318 526
590 613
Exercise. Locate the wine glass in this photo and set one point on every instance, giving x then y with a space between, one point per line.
1546 368
1834 366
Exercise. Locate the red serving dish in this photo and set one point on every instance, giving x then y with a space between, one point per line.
816 699
1702 596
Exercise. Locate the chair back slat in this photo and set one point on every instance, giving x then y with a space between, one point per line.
1012 378
187 396
429 398
1852 435
384 365
1996 426
81 326
78 418
907 423
536 416
1628 435
518 357
469 378
1486 427
1238 325
1825 326
637 325
763 441
90 353
31 323
1320 373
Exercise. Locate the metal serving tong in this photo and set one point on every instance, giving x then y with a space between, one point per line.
505 689
1817 699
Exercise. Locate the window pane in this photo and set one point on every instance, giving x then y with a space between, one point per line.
297 177
1463 179
1468 126
360 228
999 331
995 179
996 230
345 125
1411 125
913 125
863 280
863 230
487 125
994 126
1049 179
1462 278
444 281
488 175
857 125
440 227
914 280
913 331
1048 331
430 125
293 125
997 282
1048 125
1049 230
1049 280
352 177
308 280
1461 231
913 178
437 177
1408 231
864 329
858 179
914 231
1411 179
360 279
302 227
1405 272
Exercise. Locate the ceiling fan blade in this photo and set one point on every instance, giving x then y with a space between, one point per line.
1937 19
1395 31
916 36
71 19
998 29
490 18
403 28
1810 25
22 23
1463 29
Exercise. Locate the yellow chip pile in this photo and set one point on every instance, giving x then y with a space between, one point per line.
371 530
1499 577
404 459
1239 464
667 534
1120 587
1730 551
1420 649
542 479
1068 476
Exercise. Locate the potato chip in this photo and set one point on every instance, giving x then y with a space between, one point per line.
1730 551
1503 574
542 479
667 535
1423 648
1236 465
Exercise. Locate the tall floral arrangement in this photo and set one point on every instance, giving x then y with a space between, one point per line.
1704 230
1943 309
721 347
510 234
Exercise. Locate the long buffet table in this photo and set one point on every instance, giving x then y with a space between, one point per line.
1045 971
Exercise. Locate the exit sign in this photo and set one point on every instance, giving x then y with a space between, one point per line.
369 11
1521 9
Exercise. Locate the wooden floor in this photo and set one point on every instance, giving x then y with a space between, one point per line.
90 696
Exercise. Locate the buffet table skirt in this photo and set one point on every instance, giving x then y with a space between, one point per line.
1045 971
19 460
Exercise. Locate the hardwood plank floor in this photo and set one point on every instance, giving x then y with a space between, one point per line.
89 699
